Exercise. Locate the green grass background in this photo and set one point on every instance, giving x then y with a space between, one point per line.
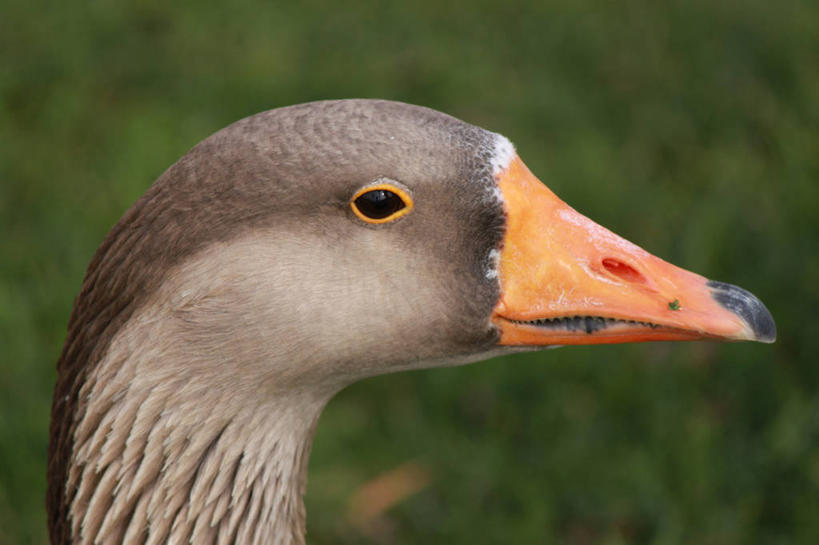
689 127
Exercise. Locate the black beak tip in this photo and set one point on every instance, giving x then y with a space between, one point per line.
748 307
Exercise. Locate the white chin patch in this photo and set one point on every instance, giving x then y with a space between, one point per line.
503 154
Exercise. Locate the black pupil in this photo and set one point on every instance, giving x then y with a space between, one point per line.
379 203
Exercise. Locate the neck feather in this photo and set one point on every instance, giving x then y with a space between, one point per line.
163 456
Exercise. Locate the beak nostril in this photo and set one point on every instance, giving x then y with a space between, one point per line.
623 271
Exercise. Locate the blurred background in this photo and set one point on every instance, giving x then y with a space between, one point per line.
690 128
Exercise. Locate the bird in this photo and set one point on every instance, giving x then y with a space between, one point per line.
293 253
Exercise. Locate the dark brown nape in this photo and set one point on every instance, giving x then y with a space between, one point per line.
240 179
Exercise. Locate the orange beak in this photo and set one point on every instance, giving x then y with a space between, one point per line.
566 280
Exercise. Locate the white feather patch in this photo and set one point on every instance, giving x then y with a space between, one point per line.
493 259
503 154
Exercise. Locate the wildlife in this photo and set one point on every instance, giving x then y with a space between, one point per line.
293 253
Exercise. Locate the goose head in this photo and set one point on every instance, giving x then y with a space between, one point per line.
297 251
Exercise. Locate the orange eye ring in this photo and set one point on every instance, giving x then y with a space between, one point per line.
381 203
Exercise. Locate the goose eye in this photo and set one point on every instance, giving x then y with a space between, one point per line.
381 203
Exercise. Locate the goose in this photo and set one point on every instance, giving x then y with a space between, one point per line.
295 252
